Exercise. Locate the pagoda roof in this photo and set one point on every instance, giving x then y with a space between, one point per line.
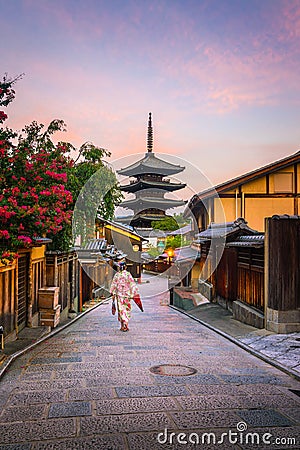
151 164
147 184
124 220
151 216
152 202
144 216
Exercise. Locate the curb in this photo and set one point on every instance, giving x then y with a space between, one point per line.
254 352
14 356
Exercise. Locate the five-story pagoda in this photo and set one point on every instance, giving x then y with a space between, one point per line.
150 186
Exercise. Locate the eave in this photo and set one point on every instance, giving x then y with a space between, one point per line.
243 179
152 203
145 184
151 164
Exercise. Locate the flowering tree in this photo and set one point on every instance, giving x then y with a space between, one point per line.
34 201
37 180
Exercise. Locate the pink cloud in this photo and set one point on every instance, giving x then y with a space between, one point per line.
290 21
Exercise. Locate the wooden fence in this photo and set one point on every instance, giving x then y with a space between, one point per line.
94 275
20 283
61 271
283 274
250 276
8 276
19 286
238 276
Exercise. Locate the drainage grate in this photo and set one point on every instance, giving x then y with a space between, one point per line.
175 370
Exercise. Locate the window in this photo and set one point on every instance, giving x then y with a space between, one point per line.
283 182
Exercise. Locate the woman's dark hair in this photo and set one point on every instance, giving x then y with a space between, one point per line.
122 265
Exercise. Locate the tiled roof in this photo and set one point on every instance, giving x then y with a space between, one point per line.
224 230
181 231
96 249
120 224
187 253
41 240
248 241
151 164
96 245
153 202
147 184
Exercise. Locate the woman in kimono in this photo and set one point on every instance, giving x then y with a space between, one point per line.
123 288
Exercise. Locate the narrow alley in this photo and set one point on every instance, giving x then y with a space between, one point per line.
169 382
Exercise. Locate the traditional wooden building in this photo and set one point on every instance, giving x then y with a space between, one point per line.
149 186
242 281
20 282
217 278
257 277
125 239
272 189
34 285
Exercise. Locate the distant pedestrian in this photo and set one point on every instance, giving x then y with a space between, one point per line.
123 289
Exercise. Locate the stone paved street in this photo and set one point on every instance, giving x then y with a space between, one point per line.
91 387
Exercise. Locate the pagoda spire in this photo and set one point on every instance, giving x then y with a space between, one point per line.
150 135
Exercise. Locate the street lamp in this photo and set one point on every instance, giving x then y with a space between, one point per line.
170 254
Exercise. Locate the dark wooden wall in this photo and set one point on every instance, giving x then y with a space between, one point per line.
8 276
283 270
158 266
99 274
250 276
61 270
38 280
239 275
226 275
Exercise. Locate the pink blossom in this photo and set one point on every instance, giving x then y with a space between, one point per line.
26 240
45 192
4 234
3 116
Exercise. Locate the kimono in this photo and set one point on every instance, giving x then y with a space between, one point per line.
124 288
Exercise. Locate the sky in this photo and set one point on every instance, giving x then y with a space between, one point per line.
221 77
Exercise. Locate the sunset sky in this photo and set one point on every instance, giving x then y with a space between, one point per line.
221 77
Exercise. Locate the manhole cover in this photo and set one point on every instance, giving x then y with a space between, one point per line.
173 370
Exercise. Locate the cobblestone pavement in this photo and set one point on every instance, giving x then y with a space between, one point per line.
94 387
283 350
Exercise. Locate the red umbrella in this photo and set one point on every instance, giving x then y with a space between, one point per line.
137 300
